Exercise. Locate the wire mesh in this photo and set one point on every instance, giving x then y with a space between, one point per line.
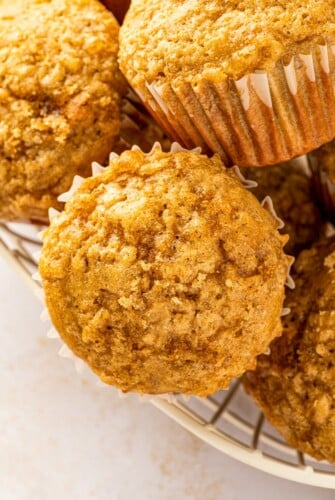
228 420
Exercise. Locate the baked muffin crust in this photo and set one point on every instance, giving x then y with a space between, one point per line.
295 384
165 274
59 99
196 39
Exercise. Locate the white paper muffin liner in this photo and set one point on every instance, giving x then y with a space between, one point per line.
65 351
263 118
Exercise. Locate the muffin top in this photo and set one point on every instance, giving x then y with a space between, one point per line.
165 274
292 192
193 39
295 385
59 98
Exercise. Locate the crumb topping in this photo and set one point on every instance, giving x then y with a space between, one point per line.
59 98
196 39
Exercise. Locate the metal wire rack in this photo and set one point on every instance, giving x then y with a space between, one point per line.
227 420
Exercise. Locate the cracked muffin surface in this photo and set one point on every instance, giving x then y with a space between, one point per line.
294 385
165 274
212 39
60 92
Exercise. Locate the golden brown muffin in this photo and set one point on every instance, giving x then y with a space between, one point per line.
295 386
249 80
293 195
322 162
118 7
59 99
165 274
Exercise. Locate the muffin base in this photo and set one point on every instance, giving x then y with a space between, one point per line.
261 119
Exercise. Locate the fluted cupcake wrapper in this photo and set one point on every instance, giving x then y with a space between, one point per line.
324 187
261 119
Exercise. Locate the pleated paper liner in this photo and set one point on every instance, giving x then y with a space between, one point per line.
97 169
261 119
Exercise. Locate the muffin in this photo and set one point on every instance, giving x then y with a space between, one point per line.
294 199
165 274
322 162
294 385
60 97
118 7
252 81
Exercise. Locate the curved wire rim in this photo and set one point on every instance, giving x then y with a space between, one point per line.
304 474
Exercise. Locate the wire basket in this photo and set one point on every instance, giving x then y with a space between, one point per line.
227 420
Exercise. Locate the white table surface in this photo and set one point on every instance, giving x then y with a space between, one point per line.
64 438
